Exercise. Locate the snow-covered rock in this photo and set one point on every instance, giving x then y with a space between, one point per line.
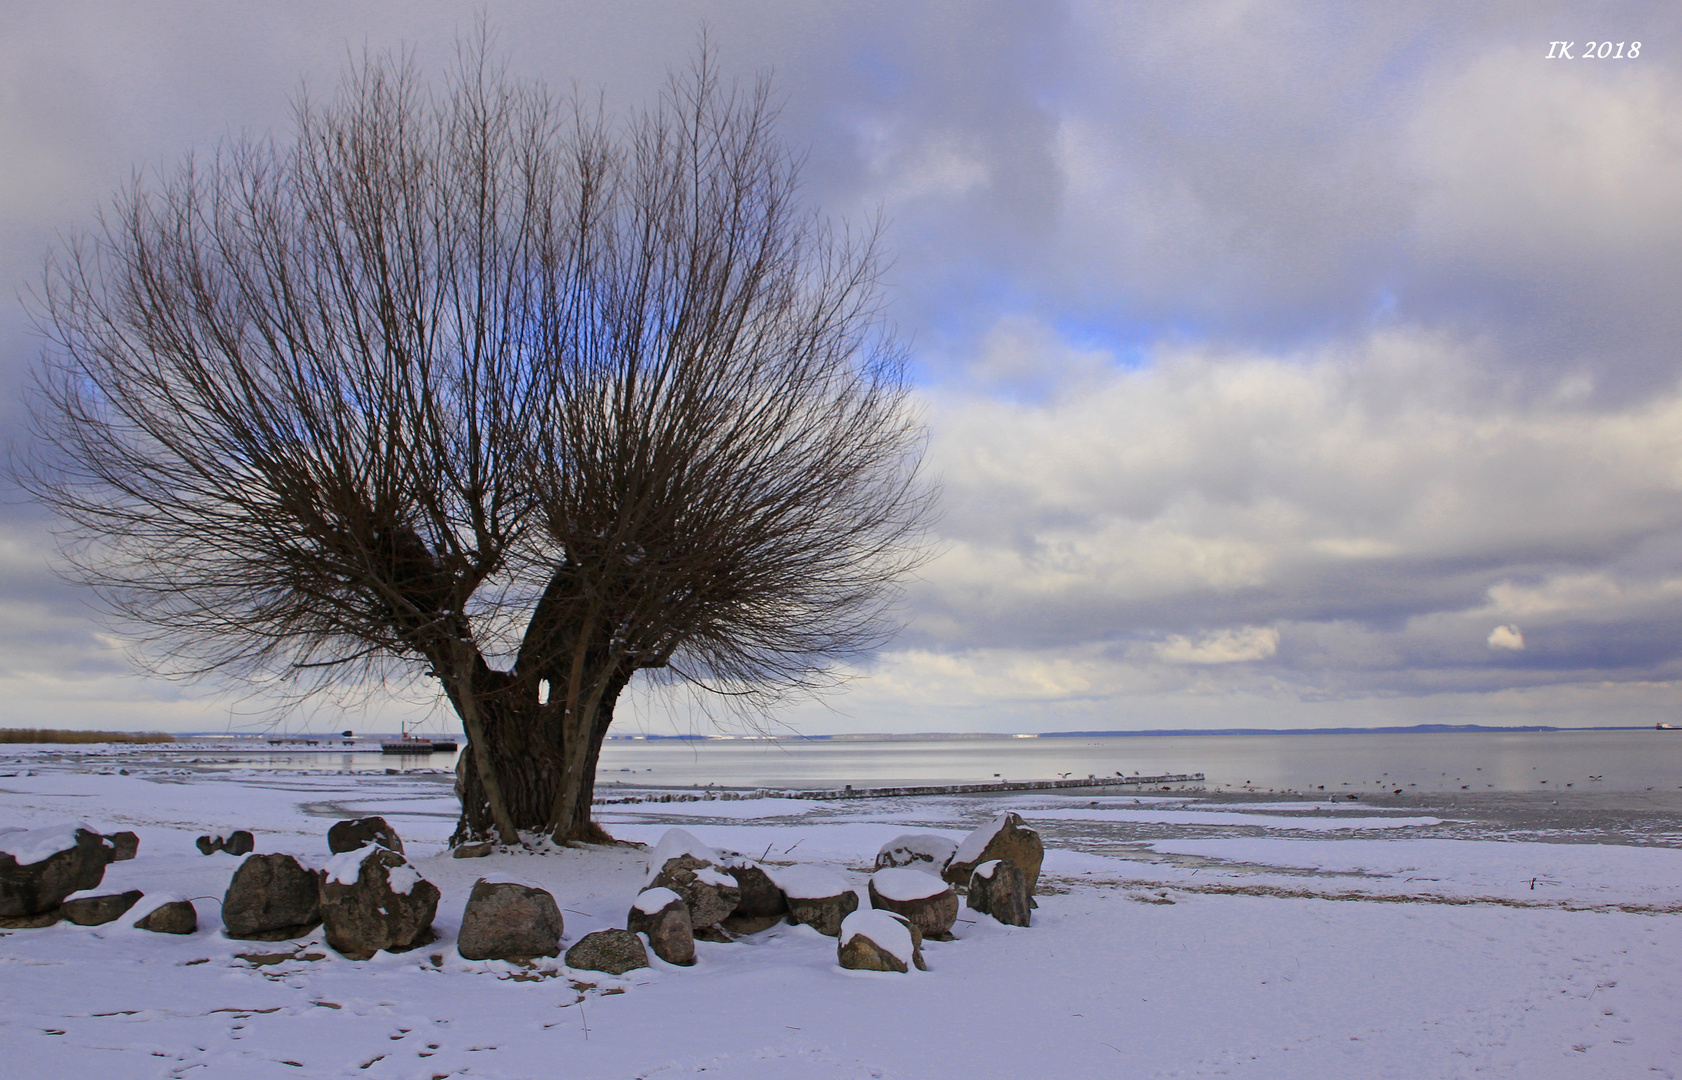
762 904
173 916
612 951
385 904
873 940
238 842
997 888
927 901
1005 837
97 910
661 914
817 897
924 851
710 894
40 867
677 842
360 832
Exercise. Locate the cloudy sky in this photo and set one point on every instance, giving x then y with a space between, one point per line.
1286 364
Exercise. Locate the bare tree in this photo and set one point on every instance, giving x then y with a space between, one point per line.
480 386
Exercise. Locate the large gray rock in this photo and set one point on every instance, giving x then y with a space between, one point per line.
40 867
508 921
174 917
612 951
929 903
99 910
664 917
271 898
709 893
817 897
762 904
349 835
372 899
1005 837
998 888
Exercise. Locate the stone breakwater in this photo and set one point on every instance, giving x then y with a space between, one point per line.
850 792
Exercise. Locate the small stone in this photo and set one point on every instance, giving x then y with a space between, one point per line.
125 845
271 898
664 917
612 951
175 917
208 845
999 889
360 832
873 940
508 921
385 904
30 922
239 842
99 910
474 851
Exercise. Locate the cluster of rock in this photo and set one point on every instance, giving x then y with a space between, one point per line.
54 873
695 893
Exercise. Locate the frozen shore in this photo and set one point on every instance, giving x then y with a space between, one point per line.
1253 935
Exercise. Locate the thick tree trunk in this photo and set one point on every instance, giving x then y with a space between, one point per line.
542 768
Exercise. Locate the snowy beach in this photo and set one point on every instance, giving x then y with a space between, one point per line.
1176 936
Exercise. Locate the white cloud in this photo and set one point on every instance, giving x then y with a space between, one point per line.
1222 647
1507 637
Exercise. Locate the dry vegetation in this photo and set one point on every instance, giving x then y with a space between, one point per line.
51 735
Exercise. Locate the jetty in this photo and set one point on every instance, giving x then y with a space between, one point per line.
1163 780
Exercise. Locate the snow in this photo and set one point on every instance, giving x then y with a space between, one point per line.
706 875
675 842
346 866
907 883
29 846
889 934
924 851
402 879
976 842
1271 953
809 882
985 870
654 901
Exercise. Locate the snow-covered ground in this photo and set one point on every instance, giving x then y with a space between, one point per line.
1174 938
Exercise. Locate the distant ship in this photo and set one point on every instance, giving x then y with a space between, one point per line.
1662 726
417 744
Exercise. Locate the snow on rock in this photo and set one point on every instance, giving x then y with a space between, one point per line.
1005 837
680 842
345 867
652 901
808 882
905 883
873 940
30 846
924 851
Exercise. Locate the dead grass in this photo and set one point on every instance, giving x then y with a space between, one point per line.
53 735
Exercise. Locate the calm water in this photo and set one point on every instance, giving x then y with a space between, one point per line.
1583 761
1503 762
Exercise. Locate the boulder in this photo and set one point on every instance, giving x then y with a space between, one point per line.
762 904
174 917
99 910
360 832
817 897
40 867
1005 837
926 901
31 922
372 899
612 951
508 920
238 842
473 851
999 889
124 845
873 940
664 917
710 894
924 851
271 898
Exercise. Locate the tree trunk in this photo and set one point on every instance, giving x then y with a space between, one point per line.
544 769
